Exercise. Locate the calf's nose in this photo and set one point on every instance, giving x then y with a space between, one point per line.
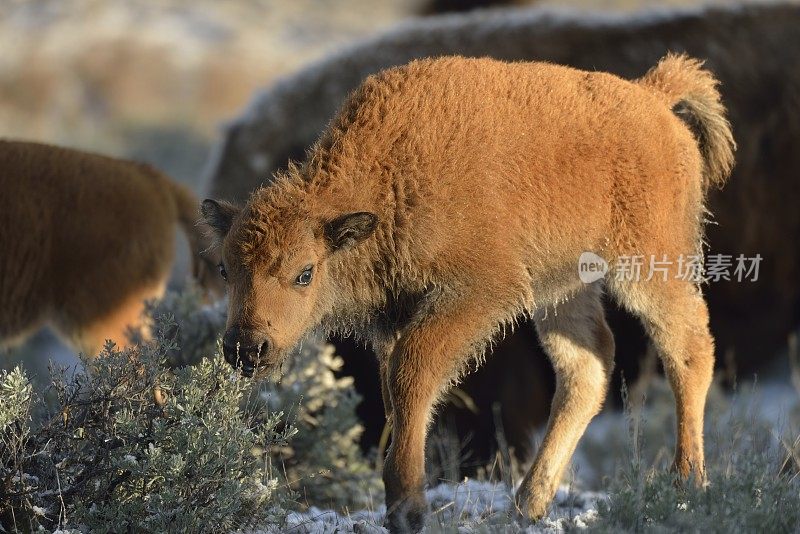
243 348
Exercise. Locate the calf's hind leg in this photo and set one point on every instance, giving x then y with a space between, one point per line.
675 316
421 365
115 324
581 348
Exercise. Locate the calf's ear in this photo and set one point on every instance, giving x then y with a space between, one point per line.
218 215
350 229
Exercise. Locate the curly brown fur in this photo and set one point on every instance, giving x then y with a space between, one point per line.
753 49
687 85
470 187
87 240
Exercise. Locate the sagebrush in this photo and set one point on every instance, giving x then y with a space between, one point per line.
130 445
323 464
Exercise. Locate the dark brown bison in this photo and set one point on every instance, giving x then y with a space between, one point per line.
437 7
87 240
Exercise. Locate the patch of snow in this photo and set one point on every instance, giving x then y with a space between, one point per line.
38 510
468 506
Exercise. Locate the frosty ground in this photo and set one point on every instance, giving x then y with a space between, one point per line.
467 506
479 506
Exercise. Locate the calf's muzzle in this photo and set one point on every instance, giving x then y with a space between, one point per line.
244 349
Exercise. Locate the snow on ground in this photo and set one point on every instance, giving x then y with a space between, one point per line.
473 506
470 505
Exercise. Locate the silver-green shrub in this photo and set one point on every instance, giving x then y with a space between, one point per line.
752 467
131 445
323 465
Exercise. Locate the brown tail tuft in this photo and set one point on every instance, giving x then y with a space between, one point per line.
692 91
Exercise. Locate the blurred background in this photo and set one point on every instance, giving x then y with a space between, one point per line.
156 81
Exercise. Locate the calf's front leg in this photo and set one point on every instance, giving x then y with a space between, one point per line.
422 364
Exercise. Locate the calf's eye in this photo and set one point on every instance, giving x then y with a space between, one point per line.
222 272
304 278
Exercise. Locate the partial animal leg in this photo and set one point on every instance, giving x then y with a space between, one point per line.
675 316
426 358
581 348
384 351
117 324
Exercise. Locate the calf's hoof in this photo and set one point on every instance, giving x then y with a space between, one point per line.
531 504
407 515
689 473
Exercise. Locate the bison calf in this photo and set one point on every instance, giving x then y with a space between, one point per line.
86 241
451 196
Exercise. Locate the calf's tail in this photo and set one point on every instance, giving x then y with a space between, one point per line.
692 92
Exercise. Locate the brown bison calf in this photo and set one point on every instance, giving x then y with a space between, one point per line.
451 196
86 241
